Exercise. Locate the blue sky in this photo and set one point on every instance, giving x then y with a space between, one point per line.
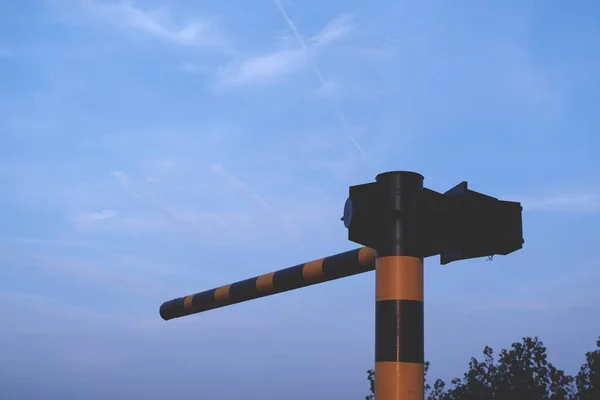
151 149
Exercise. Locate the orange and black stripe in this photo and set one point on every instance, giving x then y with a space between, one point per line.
399 322
325 269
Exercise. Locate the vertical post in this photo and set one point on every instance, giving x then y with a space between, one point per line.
399 322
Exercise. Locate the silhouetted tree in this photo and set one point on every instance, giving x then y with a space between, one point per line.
371 378
588 378
521 373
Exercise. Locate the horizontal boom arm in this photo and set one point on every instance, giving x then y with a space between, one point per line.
325 269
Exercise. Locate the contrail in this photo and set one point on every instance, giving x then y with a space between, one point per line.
179 222
221 170
259 201
338 110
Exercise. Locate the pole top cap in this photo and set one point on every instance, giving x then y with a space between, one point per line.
402 174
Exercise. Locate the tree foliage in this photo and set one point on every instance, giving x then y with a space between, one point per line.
587 380
521 373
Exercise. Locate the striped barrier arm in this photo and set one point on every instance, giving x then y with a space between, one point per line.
322 270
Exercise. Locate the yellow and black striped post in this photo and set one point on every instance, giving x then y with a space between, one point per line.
324 269
399 323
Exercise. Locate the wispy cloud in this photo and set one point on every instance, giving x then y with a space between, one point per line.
334 30
125 224
135 220
91 217
38 304
282 220
195 68
157 23
542 298
177 215
85 271
115 253
569 202
271 67
169 217
264 68
240 185
121 177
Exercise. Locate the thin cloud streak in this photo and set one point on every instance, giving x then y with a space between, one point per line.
333 30
282 219
83 316
122 282
263 69
84 220
574 202
168 217
179 219
274 66
155 23
242 186
99 249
